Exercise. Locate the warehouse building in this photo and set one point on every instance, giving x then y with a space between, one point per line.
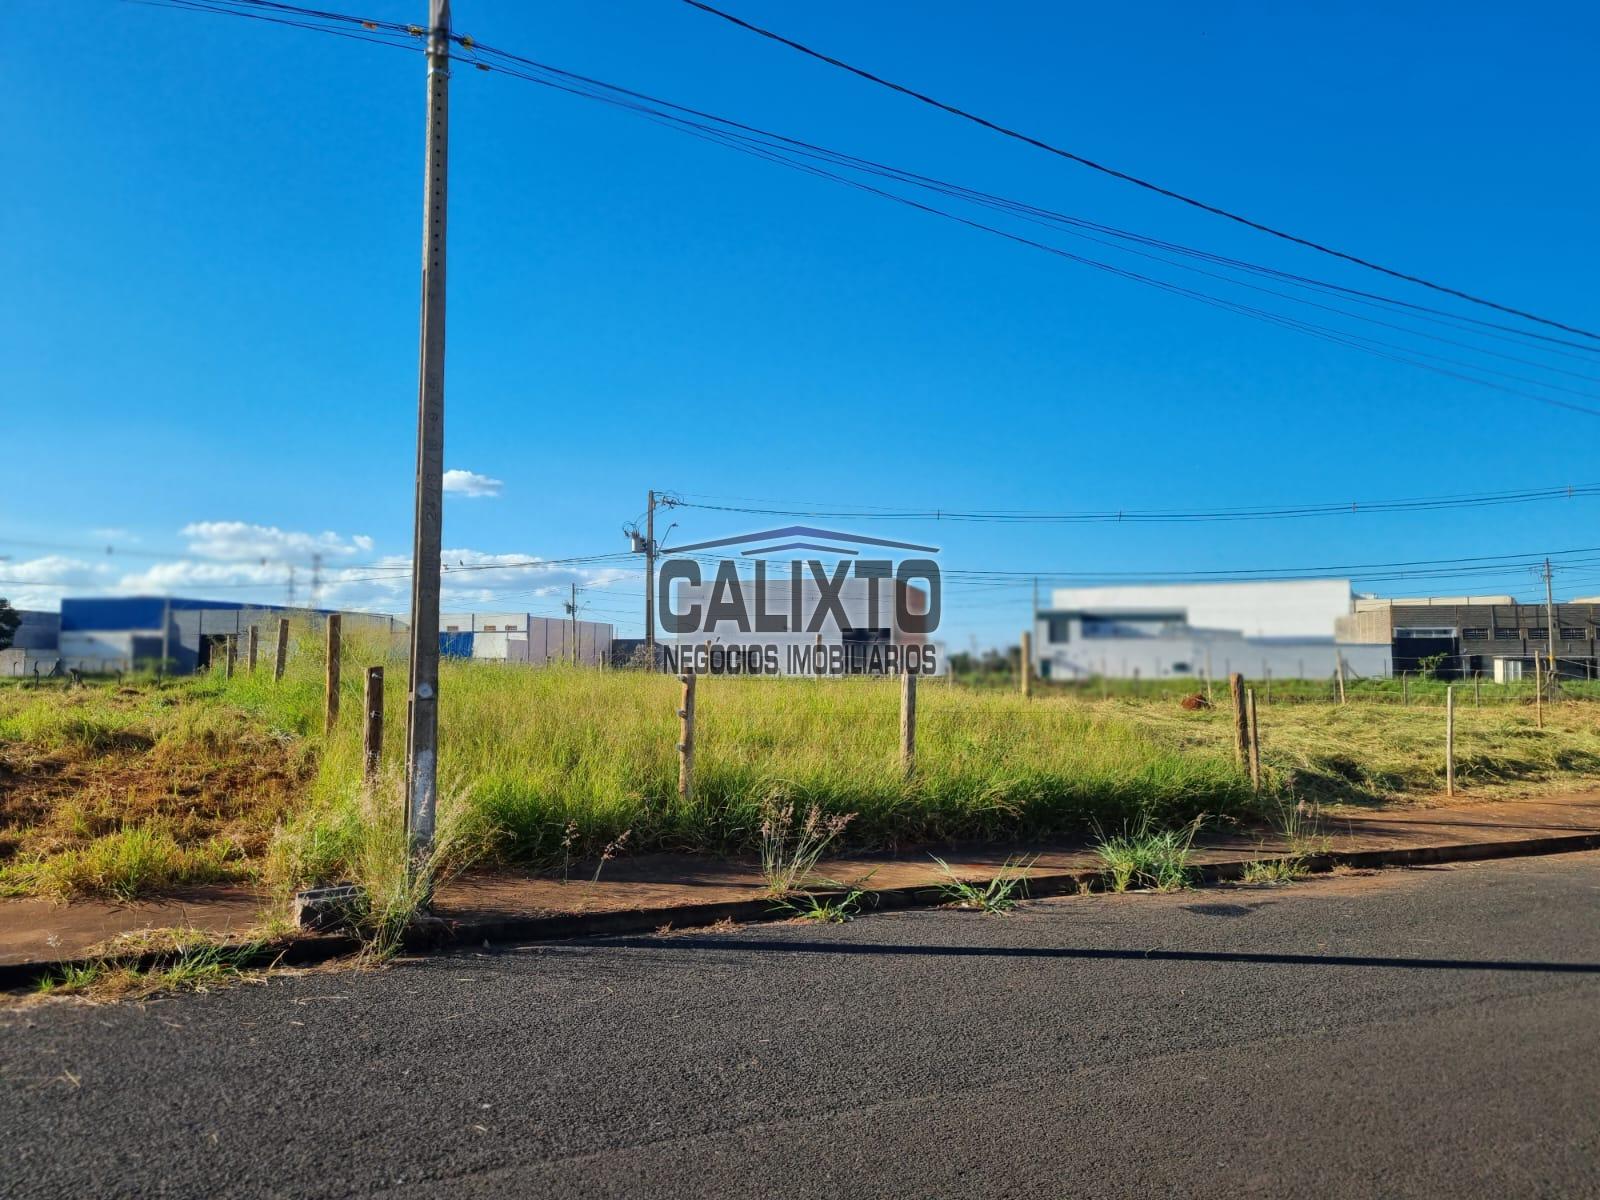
524 638
34 645
101 635
1283 628
1494 636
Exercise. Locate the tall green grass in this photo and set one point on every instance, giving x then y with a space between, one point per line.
527 755
540 764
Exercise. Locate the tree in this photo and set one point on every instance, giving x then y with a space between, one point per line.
1428 667
9 620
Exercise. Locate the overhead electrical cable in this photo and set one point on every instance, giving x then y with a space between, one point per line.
1137 181
808 158
1143 516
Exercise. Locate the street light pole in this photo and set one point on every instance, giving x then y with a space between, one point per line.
422 720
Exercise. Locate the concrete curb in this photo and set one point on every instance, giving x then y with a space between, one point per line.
439 934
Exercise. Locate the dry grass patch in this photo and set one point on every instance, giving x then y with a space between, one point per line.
126 793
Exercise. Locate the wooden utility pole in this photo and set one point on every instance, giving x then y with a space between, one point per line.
908 722
253 647
686 741
572 607
1241 719
1550 627
1025 664
372 732
650 577
280 652
331 682
1255 740
422 720
1538 693
1449 741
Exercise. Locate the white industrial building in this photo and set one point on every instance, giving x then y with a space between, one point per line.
1285 628
524 638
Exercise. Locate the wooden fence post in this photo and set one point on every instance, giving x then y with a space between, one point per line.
1241 720
1025 663
1405 688
372 735
908 722
1255 741
1339 671
331 683
1477 682
280 654
253 647
231 643
1449 741
686 741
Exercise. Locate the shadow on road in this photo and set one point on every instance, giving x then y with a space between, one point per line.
781 946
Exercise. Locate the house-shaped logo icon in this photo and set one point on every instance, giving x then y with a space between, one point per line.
800 537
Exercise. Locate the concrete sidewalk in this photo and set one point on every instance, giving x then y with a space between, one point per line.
653 890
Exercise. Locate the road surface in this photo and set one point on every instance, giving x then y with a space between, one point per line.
1410 1033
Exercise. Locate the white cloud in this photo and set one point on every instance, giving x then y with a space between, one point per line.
240 540
41 582
473 580
470 483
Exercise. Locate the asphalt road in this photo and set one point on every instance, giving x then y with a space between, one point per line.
1428 1032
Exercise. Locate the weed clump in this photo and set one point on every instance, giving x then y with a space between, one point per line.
1001 893
1147 858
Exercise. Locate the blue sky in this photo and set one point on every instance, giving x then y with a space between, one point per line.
212 235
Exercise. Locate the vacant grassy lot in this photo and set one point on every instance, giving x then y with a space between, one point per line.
133 790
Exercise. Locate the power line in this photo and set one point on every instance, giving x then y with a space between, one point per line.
591 88
726 134
1126 177
789 151
1156 516
1578 561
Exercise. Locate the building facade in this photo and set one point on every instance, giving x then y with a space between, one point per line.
100 635
1494 636
524 638
36 644
1282 628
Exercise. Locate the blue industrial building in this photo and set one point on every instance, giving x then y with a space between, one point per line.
102 634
